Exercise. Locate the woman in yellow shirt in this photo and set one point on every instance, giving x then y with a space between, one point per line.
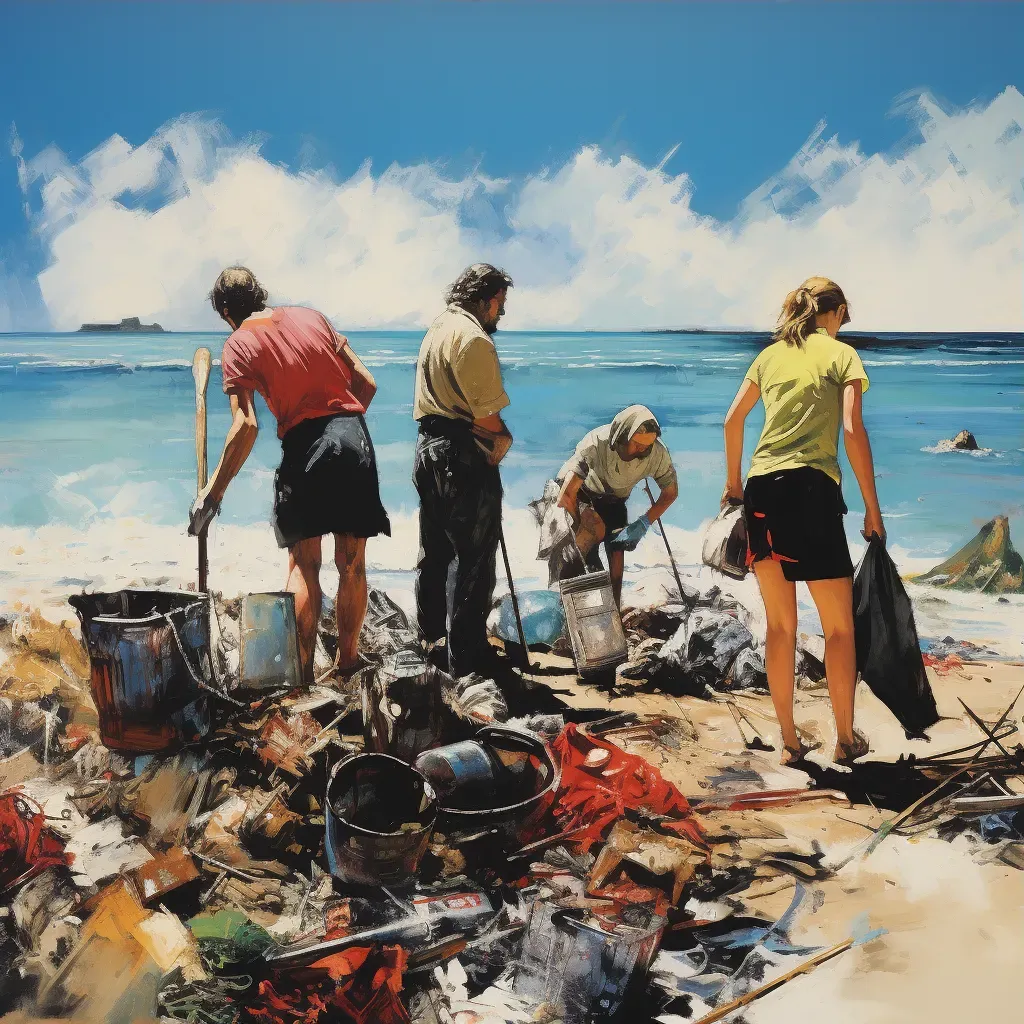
810 384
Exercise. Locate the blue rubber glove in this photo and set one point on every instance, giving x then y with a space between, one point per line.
628 537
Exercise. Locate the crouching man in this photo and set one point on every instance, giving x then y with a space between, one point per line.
596 482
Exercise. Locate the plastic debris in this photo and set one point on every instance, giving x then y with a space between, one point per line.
542 615
599 781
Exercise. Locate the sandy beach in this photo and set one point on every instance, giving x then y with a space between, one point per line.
950 910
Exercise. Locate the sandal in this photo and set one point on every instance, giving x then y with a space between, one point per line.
847 753
794 755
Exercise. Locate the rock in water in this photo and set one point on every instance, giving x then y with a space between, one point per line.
989 564
965 441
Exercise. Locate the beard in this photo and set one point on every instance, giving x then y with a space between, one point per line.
479 310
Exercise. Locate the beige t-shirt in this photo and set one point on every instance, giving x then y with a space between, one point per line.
457 372
605 474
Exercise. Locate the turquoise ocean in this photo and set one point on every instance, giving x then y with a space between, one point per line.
96 429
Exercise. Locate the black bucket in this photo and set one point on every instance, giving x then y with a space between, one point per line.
482 795
380 816
148 651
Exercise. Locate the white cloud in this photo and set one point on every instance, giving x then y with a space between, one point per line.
927 237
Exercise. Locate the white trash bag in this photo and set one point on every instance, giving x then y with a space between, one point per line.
725 543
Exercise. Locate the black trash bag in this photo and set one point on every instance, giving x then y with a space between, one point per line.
888 652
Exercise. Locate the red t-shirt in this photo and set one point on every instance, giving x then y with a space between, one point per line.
291 358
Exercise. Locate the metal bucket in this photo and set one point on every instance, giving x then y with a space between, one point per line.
580 971
475 800
403 713
148 651
593 623
380 815
269 657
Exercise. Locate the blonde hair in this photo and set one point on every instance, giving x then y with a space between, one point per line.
801 308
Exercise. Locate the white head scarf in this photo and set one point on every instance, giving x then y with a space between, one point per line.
627 423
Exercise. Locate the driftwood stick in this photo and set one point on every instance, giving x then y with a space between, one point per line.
201 363
893 823
664 537
1002 718
807 965
984 728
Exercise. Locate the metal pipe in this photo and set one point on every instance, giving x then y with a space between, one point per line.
664 537
408 932
515 601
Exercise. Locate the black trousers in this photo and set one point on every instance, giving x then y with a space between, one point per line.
460 521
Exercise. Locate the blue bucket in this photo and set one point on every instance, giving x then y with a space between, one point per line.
149 654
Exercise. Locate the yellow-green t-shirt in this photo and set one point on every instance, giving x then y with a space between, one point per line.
802 390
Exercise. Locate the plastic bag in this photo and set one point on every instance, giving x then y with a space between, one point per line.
541 613
725 543
888 652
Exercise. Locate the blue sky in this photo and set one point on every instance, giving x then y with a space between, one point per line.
514 85
504 88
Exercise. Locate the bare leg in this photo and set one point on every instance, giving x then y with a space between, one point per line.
834 600
304 583
616 566
350 558
779 596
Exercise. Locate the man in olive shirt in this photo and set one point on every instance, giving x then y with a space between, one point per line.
462 438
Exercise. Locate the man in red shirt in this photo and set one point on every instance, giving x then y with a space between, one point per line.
317 389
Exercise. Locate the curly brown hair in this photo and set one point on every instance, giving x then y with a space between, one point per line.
238 294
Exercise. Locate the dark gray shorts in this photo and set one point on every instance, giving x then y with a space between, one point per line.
613 514
327 482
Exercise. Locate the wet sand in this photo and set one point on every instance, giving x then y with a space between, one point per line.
954 927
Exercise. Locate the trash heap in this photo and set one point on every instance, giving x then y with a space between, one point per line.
691 643
393 846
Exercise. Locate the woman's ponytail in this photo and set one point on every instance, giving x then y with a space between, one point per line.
802 306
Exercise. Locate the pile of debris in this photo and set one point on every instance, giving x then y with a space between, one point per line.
696 643
394 846
705 644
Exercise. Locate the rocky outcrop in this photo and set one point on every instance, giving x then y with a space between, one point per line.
964 442
989 564
130 324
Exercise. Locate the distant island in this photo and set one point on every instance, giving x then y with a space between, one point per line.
130 324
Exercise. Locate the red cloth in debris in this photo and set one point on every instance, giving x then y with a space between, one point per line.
950 663
595 796
27 846
360 985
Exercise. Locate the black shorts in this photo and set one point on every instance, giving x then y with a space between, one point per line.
795 516
612 512
327 482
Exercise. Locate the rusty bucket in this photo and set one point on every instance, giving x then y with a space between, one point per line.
149 654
